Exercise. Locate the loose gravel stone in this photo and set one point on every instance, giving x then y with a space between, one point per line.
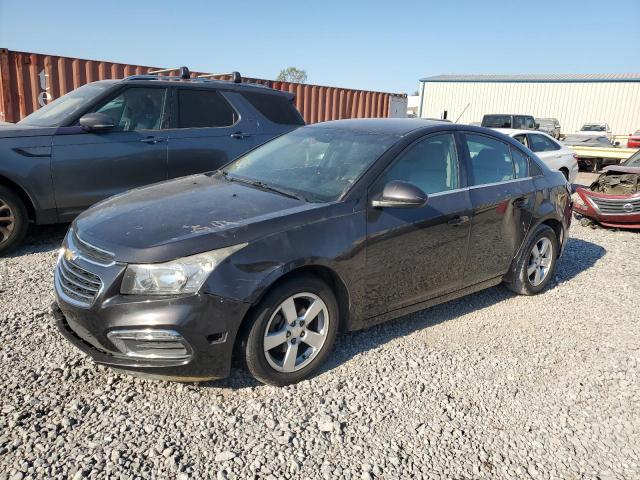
493 385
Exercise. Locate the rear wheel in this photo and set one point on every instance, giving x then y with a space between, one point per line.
537 263
14 220
292 331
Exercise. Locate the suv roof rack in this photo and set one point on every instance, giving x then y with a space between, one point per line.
185 74
235 76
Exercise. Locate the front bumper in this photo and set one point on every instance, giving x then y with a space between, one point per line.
89 310
589 208
207 323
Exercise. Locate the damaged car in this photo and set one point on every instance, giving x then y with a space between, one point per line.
613 200
335 226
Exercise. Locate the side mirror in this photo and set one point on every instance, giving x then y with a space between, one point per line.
96 122
399 194
537 126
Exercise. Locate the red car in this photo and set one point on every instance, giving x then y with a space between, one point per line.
634 140
613 200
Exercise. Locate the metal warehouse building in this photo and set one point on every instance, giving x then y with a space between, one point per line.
572 99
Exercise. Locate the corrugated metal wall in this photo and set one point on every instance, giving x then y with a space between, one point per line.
30 80
573 104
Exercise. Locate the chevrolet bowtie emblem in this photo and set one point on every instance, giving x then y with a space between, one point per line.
69 255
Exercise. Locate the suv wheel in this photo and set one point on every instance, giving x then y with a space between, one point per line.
537 263
292 331
14 220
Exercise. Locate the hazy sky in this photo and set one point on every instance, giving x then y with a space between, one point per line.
372 45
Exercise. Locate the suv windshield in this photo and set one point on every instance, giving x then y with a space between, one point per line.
316 163
55 113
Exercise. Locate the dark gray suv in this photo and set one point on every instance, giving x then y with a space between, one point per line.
114 135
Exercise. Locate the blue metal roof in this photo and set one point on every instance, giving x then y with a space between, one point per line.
538 78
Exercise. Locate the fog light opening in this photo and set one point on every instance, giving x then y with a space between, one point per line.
151 344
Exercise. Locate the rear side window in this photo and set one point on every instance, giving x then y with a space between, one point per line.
540 143
204 108
520 163
490 160
524 122
276 108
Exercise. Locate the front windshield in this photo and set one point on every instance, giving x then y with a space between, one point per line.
57 112
633 160
592 128
317 163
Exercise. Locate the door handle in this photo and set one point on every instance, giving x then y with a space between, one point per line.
459 220
520 202
240 135
153 140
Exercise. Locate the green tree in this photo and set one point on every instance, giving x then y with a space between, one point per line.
292 74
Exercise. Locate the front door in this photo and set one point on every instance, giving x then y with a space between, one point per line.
208 131
88 167
502 193
414 254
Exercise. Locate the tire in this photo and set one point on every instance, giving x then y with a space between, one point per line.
275 366
524 281
14 220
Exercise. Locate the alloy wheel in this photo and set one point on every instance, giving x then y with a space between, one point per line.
7 221
296 332
540 261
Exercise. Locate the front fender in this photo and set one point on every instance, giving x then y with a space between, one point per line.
334 243
25 164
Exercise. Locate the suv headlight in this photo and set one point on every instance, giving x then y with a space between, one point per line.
184 275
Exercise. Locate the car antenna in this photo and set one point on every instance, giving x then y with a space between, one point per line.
465 109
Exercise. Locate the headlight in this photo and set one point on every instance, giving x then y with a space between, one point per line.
184 275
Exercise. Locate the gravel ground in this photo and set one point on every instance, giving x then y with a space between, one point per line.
490 386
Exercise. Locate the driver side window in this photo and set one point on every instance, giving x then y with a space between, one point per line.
431 164
136 109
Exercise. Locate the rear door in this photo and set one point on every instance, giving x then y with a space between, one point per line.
418 253
88 167
502 194
208 130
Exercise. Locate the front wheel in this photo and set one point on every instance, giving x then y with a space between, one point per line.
292 331
537 263
14 220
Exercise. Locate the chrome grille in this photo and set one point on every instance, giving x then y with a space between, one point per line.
615 206
91 253
77 283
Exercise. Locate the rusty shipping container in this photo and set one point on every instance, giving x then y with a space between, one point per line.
31 80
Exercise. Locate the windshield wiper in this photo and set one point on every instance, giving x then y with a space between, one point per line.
264 186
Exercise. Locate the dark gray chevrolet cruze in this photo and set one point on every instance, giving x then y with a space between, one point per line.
334 226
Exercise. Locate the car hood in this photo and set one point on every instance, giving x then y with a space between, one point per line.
186 216
12 130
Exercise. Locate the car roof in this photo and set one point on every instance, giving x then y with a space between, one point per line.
198 83
389 126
